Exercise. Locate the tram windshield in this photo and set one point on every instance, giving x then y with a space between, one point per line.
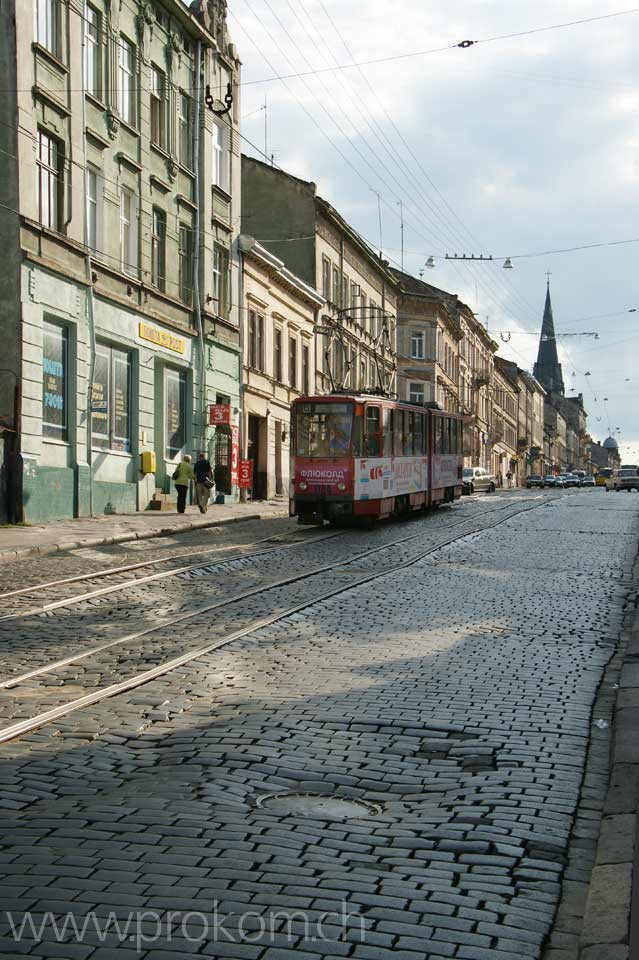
323 429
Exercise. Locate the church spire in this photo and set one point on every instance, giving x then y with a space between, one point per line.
547 368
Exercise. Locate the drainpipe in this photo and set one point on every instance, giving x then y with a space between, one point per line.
244 245
89 270
196 256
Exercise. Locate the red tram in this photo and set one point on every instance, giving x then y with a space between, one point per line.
358 455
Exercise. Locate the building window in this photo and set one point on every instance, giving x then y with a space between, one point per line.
220 281
417 345
111 403
362 311
50 180
126 82
277 355
158 108
256 340
185 263
354 301
92 56
416 392
346 285
54 380
306 369
128 233
220 142
336 286
326 278
185 141
48 25
94 204
158 249
292 362
174 412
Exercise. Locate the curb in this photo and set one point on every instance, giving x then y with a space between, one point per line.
610 929
11 555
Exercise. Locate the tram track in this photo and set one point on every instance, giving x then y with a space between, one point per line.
253 624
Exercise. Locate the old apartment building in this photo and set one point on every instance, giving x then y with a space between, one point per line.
120 204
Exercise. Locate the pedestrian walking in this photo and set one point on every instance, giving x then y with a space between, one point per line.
182 476
509 478
204 482
500 479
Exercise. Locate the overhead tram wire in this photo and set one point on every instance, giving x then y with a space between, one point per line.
465 44
324 133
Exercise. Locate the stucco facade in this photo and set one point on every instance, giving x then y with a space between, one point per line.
121 297
279 313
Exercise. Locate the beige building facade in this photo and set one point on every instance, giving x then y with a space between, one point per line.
476 373
279 315
505 425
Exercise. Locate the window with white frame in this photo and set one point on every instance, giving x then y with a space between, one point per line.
158 107
92 54
417 344
111 403
292 362
256 340
220 142
306 369
47 13
185 140
277 354
127 87
50 180
174 412
416 392
336 286
220 281
128 232
94 209
326 278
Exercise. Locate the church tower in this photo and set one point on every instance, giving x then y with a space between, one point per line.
547 369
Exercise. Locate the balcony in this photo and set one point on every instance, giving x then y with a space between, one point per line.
522 443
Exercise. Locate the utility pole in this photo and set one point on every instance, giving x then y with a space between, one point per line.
265 128
379 215
401 230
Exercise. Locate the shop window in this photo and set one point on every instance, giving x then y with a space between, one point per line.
111 405
55 349
174 412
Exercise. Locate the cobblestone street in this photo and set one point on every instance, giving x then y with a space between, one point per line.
385 765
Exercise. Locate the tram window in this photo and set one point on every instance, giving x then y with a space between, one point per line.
388 432
398 433
410 433
439 435
419 433
373 444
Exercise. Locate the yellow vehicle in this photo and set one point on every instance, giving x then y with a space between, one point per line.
604 474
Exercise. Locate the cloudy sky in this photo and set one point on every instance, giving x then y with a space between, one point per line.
510 147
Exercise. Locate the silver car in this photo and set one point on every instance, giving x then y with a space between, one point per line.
477 480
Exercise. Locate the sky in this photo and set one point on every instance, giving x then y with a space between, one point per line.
509 147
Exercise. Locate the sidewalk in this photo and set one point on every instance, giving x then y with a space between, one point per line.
610 928
18 541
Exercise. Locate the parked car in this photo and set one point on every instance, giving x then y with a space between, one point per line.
550 479
588 482
627 478
570 480
581 474
476 480
559 480
534 480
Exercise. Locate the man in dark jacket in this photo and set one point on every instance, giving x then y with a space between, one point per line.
203 481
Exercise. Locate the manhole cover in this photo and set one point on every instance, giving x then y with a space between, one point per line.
325 808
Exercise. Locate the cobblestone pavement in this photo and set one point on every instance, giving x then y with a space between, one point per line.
390 773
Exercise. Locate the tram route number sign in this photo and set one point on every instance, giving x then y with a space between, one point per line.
220 414
235 454
245 478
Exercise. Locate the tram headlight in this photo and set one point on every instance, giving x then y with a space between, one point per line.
341 487
302 485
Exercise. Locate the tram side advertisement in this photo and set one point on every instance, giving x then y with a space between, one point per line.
446 471
378 478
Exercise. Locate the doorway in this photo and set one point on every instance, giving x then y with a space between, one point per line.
279 485
255 438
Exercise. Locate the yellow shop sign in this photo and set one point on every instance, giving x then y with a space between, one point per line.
162 338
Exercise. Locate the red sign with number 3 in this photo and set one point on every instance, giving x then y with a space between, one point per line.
246 475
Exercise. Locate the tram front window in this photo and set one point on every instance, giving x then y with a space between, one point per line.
323 429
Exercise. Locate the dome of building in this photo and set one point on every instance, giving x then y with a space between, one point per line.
610 443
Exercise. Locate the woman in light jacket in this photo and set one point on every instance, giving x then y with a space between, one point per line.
182 477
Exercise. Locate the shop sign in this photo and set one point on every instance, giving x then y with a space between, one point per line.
162 338
235 454
245 479
220 414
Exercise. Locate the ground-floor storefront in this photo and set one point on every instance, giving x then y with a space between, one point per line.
266 433
111 400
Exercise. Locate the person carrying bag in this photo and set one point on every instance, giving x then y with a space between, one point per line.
182 476
204 482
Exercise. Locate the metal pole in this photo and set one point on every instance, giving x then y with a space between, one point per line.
201 414
89 270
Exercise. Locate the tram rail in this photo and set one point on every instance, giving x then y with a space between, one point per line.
30 724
